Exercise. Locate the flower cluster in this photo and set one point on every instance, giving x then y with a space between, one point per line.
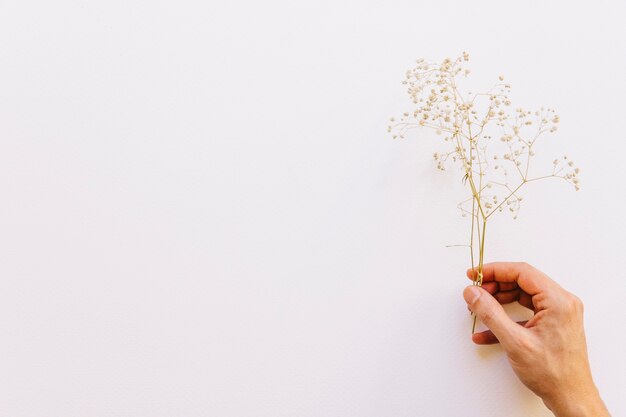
493 142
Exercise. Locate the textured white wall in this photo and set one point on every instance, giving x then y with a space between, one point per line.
201 212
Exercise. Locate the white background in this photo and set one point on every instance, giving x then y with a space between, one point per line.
201 213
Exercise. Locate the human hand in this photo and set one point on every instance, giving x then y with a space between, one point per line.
548 353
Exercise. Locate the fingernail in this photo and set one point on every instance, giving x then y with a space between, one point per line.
471 294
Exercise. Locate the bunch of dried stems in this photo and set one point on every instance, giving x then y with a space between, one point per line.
491 141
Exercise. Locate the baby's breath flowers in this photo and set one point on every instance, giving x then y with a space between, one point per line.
493 142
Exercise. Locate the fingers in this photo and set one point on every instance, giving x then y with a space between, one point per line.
487 337
519 274
507 286
491 287
507 297
508 292
491 313
526 300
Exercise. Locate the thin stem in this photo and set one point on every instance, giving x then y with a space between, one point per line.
474 219
481 259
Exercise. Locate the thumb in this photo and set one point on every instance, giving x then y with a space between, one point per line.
491 313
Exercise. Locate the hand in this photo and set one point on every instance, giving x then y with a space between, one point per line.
548 352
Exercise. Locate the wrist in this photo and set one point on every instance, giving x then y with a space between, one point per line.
577 403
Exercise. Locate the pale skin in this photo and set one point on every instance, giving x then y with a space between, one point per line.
548 353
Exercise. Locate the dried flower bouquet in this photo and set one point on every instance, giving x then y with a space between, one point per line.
490 140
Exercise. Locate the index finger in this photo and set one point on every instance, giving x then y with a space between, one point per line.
527 277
